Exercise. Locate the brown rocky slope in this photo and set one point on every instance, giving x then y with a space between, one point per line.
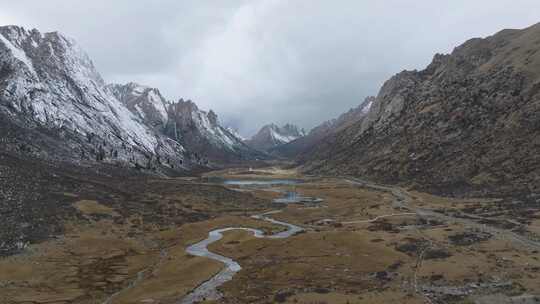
469 121
302 145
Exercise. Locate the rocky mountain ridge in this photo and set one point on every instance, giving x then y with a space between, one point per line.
145 102
202 132
299 147
184 122
272 135
468 122
50 89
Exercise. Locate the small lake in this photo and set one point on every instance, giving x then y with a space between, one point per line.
254 182
292 197
289 196
261 182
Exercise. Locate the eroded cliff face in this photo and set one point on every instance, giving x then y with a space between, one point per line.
205 137
469 121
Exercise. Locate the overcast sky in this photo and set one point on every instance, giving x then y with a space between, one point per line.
261 61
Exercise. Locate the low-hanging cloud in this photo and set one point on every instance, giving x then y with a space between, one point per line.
261 61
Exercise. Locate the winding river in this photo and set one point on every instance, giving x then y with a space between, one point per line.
208 290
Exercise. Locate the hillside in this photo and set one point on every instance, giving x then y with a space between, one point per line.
55 105
469 121
200 131
206 138
301 146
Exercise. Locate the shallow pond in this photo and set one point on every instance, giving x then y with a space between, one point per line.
254 182
289 196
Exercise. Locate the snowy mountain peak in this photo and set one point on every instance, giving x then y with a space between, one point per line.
366 105
134 88
235 132
186 111
50 81
145 102
272 135
201 131
12 39
346 119
49 84
187 116
324 131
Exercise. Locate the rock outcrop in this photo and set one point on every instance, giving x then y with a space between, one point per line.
206 138
147 103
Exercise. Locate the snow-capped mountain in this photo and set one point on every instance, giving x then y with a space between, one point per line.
53 100
234 132
184 122
201 131
272 135
145 102
303 145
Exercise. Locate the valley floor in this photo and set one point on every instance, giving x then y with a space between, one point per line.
364 243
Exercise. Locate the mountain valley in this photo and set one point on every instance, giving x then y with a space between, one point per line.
427 192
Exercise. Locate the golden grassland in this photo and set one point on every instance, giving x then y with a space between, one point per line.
258 173
98 256
89 207
96 259
369 297
342 202
427 200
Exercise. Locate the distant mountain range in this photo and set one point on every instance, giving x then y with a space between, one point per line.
55 105
272 135
468 123
289 141
301 146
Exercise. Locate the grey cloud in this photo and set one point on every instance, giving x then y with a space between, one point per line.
262 61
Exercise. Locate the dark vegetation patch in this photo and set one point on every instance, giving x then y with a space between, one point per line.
436 253
281 296
321 290
498 223
395 266
383 225
429 222
411 247
468 238
37 197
